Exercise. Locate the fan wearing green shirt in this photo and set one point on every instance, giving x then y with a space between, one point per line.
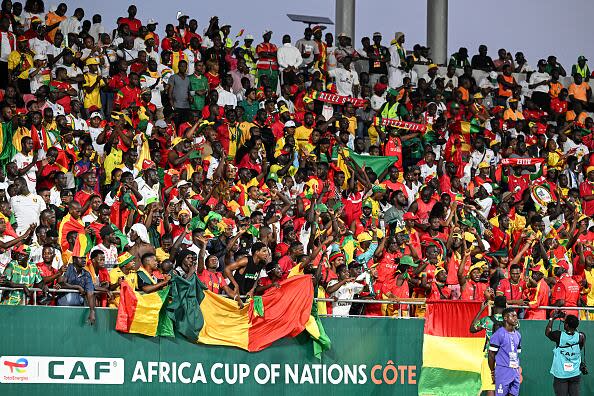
198 87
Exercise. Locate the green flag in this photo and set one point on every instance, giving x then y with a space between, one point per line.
8 151
184 308
377 163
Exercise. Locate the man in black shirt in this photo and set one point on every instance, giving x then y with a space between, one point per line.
482 61
379 56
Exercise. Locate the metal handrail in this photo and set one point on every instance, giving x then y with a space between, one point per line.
35 290
403 301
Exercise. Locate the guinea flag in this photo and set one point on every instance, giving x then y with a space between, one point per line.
67 225
143 313
208 318
452 356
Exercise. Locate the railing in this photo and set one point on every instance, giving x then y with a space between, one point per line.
401 302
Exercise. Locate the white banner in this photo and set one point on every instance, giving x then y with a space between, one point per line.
71 370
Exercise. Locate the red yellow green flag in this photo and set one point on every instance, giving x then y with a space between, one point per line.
452 356
281 312
143 313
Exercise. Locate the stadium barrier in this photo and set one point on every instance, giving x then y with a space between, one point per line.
47 350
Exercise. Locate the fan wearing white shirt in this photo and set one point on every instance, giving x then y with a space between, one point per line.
289 59
347 80
344 288
26 206
226 96
26 163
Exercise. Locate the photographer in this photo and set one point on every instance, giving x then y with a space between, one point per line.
567 359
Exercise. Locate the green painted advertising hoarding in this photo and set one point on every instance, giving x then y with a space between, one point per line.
56 348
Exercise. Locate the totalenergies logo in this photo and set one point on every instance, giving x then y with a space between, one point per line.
19 367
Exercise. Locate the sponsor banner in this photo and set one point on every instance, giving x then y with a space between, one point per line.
66 370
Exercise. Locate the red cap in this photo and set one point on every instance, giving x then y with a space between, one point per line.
380 87
282 248
147 164
410 216
563 264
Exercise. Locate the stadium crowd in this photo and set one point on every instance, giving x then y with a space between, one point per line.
127 155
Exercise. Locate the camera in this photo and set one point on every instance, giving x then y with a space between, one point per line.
559 315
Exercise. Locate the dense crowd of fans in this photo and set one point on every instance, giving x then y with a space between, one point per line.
127 155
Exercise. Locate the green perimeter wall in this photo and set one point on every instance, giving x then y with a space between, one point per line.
46 331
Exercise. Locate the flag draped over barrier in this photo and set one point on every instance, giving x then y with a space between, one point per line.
143 313
208 318
452 356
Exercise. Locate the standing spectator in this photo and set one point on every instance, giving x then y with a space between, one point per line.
267 63
179 94
567 355
72 25
482 61
289 61
347 80
539 84
581 68
379 56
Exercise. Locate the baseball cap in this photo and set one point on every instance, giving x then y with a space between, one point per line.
432 66
249 37
290 124
376 34
152 21
181 14
410 216
343 34
183 183
266 32
493 74
542 62
483 165
582 58
161 124
39 57
96 114
92 61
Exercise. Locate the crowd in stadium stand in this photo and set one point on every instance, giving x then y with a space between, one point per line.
132 155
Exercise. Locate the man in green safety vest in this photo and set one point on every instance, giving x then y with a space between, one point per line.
581 68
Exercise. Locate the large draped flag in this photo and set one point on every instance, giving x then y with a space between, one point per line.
208 318
143 313
452 356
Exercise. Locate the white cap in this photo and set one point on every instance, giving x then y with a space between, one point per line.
183 183
290 124
249 37
152 21
181 14
96 114
161 124
266 32
493 74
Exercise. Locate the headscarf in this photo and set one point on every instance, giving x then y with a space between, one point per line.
142 233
